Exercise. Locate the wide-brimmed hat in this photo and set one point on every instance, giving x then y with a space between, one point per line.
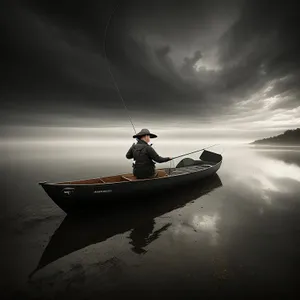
143 132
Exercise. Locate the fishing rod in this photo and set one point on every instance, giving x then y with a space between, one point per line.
109 69
193 152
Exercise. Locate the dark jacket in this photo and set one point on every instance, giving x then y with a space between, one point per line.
144 154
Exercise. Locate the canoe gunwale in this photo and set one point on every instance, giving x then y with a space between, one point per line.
108 183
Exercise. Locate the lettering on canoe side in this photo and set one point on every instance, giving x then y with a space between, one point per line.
102 191
68 191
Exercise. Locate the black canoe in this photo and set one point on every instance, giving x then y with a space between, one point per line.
76 195
79 231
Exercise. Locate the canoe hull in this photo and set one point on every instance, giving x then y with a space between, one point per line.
73 197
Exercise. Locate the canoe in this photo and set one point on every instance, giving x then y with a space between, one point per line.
73 196
78 231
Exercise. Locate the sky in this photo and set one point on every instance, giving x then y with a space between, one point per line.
224 68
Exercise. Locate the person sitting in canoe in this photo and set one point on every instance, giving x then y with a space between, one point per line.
144 155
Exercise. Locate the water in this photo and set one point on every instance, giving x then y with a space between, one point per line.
234 234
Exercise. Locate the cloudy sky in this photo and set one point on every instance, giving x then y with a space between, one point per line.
230 67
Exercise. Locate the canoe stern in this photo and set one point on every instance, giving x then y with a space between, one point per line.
211 156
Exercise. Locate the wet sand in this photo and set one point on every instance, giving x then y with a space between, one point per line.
235 234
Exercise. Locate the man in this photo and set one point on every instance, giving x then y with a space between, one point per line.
144 154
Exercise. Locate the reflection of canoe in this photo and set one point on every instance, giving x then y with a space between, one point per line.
79 231
74 195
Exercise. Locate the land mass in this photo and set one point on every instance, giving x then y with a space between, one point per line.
289 137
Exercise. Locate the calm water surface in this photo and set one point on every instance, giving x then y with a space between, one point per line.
235 234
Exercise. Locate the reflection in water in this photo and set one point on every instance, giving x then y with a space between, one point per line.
77 232
258 166
262 173
289 155
207 223
142 236
279 169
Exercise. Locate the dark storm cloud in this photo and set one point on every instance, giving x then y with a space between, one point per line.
45 53
190 62
262 45
254 44
175 59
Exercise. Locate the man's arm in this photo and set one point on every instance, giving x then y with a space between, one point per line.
154 156
129 154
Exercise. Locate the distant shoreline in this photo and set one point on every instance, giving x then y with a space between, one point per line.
288 138
275 145
255 143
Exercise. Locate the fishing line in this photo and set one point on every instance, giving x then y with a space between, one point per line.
194 151
109 69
